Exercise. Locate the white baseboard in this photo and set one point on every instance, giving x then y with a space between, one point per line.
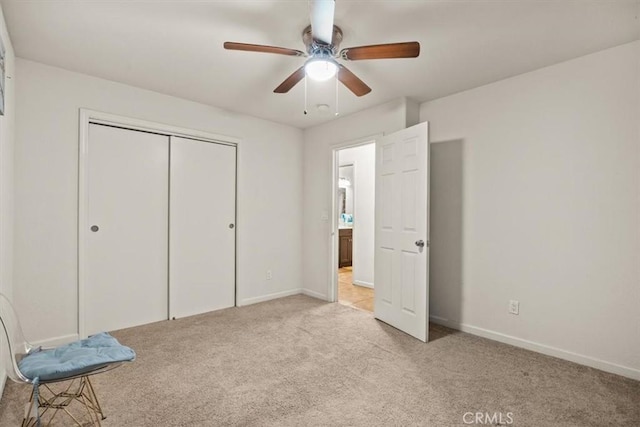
268 297
56 341
581 359
363 284
314 294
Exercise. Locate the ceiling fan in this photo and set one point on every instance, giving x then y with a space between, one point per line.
322 40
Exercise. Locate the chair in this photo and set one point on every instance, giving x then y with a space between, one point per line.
42 368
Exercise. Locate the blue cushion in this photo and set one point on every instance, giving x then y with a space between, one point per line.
76 358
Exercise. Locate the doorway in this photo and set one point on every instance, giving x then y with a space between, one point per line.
354 191
400 228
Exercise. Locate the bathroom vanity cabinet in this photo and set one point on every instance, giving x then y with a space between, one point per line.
346 247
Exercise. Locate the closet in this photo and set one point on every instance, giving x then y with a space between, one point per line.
160 218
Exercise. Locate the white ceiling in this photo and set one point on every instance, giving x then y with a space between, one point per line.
175 47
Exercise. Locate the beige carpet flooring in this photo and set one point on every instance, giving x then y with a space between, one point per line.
298 361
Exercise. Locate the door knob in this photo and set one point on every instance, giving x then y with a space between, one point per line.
95 228
231 225
420 243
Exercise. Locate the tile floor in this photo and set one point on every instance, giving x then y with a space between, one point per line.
353 295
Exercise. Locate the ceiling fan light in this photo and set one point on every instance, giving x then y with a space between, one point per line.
320 69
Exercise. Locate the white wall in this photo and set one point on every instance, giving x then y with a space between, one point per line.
535 197
6 179
46 202
319 142
364 187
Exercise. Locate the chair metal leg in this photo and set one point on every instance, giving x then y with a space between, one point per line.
78 390
95 399
26 421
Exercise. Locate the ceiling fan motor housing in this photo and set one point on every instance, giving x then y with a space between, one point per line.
318 48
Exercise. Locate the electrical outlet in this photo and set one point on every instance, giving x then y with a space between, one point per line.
514 307
269 275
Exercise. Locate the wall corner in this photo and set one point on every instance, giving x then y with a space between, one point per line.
412 113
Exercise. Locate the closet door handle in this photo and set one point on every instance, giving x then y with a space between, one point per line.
95 228
231 225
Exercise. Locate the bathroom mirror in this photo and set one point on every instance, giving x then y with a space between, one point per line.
345 195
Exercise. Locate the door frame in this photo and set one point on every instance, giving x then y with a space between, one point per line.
86 117
332 292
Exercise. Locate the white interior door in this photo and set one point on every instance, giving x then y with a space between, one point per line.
402 230
202 232
127 216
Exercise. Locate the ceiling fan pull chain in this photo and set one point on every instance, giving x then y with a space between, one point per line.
305 95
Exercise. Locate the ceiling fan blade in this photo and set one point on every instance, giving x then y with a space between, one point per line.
382 51
290 81
322 20
263 48
352 82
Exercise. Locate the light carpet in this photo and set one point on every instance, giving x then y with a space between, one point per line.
298 361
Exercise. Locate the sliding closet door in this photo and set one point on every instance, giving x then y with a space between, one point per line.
125 281
202 233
